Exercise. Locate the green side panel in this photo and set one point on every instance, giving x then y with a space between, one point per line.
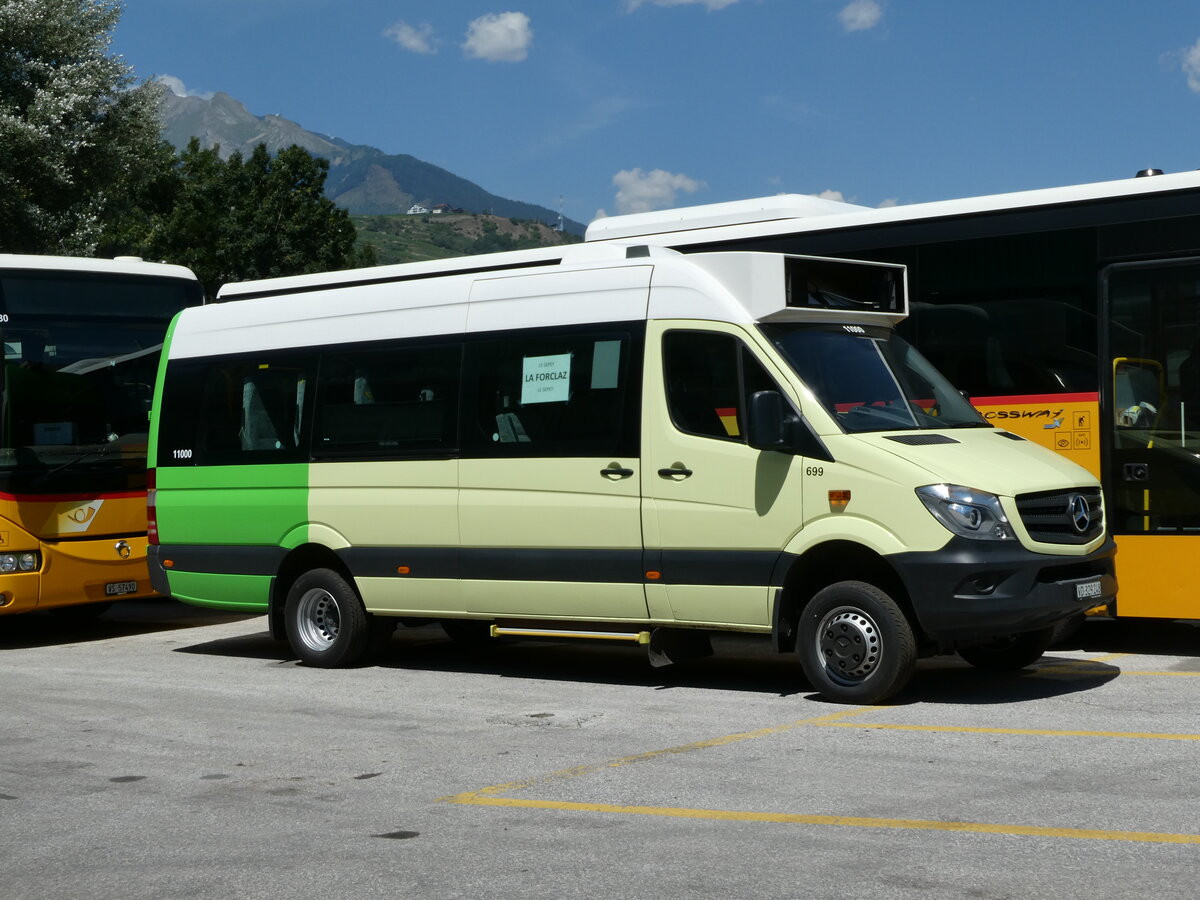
237 593
159 381
242 505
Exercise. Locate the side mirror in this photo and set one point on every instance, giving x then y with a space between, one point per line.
767 428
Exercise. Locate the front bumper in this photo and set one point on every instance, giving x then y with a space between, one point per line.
974 590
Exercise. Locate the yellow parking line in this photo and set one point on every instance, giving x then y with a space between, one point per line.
1041 732
1088 834
491 796
576 771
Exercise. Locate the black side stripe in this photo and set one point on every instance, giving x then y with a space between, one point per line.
709 567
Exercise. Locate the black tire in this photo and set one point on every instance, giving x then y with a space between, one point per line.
325 621
855 643
1006 654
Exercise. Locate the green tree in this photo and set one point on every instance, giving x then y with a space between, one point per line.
74 131
253 217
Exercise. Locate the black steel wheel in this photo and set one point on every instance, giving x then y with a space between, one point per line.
326 623
855 643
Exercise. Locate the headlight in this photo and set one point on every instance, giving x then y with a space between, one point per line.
967 512
23 562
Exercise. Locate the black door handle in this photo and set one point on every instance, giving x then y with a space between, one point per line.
668 473
617 470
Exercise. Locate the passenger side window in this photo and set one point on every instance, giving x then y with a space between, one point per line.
550 393
381 403
235 412
709 380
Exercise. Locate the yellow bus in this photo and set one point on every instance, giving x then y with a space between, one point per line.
1070 316
81 345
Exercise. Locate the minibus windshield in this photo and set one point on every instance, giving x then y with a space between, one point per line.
871 379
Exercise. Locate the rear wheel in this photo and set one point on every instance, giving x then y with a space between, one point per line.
1005 654
855 643
326 623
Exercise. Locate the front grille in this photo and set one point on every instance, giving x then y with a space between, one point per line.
1054 517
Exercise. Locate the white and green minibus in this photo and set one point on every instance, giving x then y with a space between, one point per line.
609 442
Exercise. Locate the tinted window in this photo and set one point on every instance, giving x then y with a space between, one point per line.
553 393
235 411
387 402
709 378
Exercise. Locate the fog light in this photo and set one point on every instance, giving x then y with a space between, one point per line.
28 562
8 562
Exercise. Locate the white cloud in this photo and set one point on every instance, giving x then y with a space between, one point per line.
417 38
179 89
639 191
859 15
631 5
889 203
499 37
832 195
1191 66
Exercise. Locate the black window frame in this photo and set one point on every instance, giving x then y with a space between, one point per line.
478 442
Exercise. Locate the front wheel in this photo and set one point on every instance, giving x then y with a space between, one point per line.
1006 654
326 623
855 643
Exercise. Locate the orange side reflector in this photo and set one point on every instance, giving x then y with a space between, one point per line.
168 563
402 570
838 500
653 576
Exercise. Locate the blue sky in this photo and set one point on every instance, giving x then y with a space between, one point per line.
628 105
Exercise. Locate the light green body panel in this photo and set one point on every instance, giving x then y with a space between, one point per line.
239 593
239 505
551 504
400 504
726 605
408 503
411 596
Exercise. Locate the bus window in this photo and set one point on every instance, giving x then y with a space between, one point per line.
251 412
385 402
548 394
1154 431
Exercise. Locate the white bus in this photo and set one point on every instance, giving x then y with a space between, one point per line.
604 442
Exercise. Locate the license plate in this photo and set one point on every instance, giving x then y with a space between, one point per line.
116 588
1087 590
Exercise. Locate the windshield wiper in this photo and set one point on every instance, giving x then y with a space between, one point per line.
45 476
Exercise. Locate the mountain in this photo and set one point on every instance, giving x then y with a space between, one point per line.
363 179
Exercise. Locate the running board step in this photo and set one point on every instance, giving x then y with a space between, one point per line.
635 637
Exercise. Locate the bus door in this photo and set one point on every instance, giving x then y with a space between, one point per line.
1152 432
718 511
549 506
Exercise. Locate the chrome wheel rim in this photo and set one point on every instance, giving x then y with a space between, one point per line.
318 619
849 645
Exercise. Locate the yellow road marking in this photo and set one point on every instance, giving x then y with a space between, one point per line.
1041 732
1089 834
491 796
576 771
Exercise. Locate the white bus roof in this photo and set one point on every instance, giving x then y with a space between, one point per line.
769 215
121 265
